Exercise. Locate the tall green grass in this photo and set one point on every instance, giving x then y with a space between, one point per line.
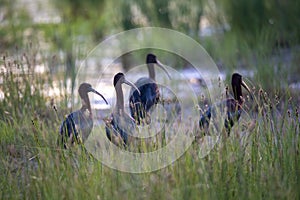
265 166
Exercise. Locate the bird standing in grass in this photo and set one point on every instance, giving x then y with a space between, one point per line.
120 123
78 125
141 104
233 105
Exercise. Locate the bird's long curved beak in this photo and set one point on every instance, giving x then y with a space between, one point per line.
132 85
246 86
163 68
95 91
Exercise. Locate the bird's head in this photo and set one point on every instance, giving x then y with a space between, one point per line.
237 83
151 58
85 88
236 79
119 79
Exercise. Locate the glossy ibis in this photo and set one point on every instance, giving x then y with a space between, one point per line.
120 122
233 105
78 125
141 104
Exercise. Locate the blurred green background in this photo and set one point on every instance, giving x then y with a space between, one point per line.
259 35
69 24
60 22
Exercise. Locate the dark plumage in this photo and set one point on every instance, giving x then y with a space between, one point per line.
78 125
120 123
233 105
141 104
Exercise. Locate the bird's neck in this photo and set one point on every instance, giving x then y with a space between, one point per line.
237 92
151 70
86 104
120 98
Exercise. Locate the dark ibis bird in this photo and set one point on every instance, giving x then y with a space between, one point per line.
120 123
78 125
141 104
233 106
